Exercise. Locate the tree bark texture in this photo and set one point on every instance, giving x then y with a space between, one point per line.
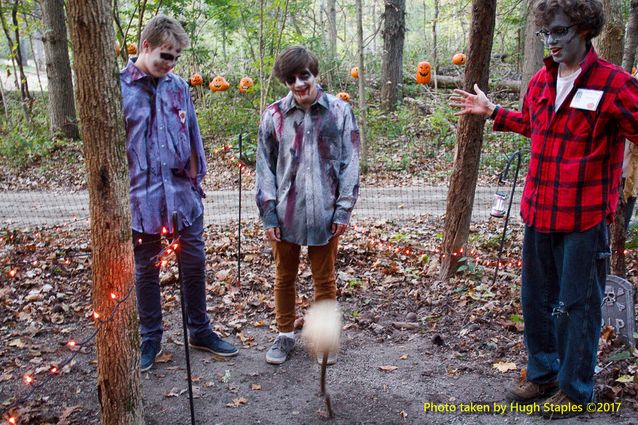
631 38
435 58
610 47
62 114
609 44
99 103
19 52
362 90
533 52
392 67
331 18
469 139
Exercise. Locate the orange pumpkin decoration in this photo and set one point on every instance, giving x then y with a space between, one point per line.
354 72
196 80
423 72
458 59
219 83
131 48
343 96
118 49
246 84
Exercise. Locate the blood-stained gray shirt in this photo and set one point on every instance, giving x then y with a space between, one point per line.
161 133
307 168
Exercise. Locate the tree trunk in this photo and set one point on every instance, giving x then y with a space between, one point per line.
533 52
331 18
610 47
20 57
392 68
469 139
19 82
100 107
62 114
631 38
609 44
435 57
362 90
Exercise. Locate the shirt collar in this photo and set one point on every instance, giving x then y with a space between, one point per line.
591 57
289 102
133 73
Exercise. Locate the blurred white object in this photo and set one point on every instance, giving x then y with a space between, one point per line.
322 327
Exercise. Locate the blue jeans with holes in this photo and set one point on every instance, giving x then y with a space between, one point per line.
563 286
147 283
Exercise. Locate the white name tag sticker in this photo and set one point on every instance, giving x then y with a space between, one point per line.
587 99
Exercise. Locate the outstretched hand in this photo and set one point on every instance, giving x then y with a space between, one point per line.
476 104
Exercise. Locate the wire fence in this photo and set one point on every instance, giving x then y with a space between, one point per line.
22 209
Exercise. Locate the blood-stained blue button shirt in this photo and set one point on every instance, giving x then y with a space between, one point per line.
161 133
307 168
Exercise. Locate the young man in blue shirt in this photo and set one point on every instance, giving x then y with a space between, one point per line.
166 167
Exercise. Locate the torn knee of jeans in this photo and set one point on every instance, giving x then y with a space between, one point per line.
560 309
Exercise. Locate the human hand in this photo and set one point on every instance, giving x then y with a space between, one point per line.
338 229
476 104
273 234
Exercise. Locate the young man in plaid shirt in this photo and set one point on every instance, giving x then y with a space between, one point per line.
577 111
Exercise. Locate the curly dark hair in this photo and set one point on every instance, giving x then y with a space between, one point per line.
295 59
586 14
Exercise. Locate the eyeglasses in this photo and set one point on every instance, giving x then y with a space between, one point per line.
303 76
168 57
557 33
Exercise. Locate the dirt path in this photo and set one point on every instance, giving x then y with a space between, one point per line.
56 208
361 392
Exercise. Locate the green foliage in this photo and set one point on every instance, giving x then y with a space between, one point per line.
223 115
470 268
442 126
632 237
22 142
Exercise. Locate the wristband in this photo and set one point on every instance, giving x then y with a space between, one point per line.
495 111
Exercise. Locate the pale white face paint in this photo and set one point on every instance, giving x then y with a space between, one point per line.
303 86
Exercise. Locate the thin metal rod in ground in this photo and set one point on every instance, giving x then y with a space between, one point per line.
239 218
324 393
501 179
184 319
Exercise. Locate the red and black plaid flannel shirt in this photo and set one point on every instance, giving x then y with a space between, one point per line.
576 155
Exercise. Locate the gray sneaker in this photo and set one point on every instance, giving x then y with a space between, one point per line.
280 350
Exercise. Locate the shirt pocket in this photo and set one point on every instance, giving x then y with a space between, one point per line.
581 122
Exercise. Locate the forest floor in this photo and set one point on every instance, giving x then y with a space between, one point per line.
408 338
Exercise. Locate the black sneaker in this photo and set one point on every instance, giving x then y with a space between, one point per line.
150 350
213 344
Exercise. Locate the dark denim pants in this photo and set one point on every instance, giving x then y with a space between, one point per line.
147 284
563 286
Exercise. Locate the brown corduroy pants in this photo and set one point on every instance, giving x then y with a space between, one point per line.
322 265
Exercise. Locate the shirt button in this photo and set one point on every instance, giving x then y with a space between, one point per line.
163 163
162 145
307 132
161 128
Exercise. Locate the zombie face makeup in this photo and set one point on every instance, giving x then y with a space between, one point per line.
158 61
303 86
565 44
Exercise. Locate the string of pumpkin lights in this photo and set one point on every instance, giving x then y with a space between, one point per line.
75 346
